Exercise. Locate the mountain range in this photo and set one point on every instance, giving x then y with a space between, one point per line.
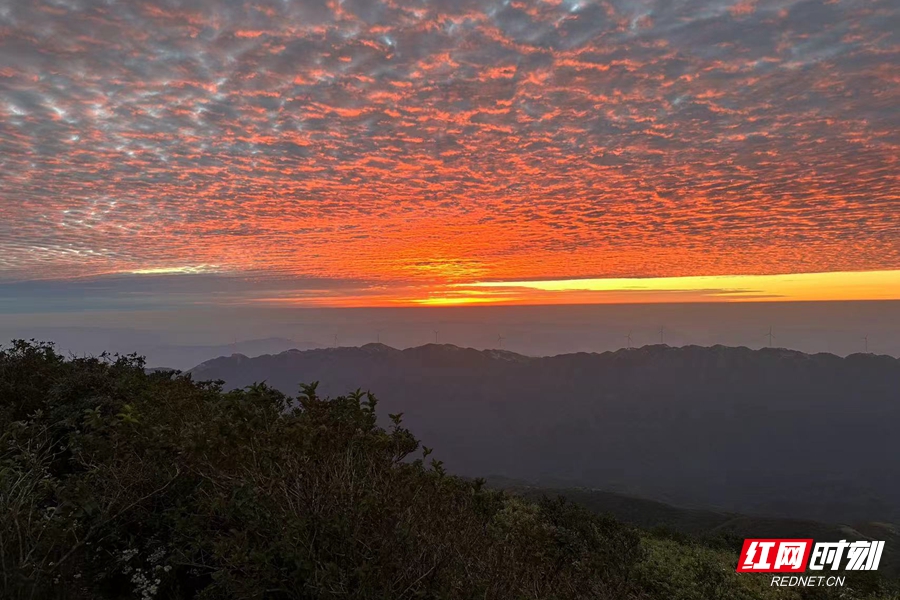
768 432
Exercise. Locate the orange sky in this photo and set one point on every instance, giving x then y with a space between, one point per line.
804 287
397 152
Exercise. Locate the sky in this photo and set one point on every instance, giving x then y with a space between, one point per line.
356 153
184 337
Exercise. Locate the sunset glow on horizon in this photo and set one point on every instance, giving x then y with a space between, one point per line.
441 153
802 287
867 285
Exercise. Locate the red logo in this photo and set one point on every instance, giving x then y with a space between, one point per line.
774 556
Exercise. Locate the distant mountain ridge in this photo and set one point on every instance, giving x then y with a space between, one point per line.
183 356
769 431
729 529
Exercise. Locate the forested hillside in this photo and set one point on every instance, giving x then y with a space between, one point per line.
119 483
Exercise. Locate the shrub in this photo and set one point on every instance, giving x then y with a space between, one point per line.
116 483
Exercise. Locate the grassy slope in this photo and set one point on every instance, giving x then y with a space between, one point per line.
715 529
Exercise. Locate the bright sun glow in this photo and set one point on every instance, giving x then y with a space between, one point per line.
182 270
865 285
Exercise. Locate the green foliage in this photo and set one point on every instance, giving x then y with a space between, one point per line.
692 570
116 483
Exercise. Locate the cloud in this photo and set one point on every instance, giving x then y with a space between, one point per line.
517 140
175 288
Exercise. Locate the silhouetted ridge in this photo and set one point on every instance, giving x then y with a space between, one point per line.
772 431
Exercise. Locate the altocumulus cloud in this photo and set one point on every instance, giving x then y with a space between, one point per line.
340 140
